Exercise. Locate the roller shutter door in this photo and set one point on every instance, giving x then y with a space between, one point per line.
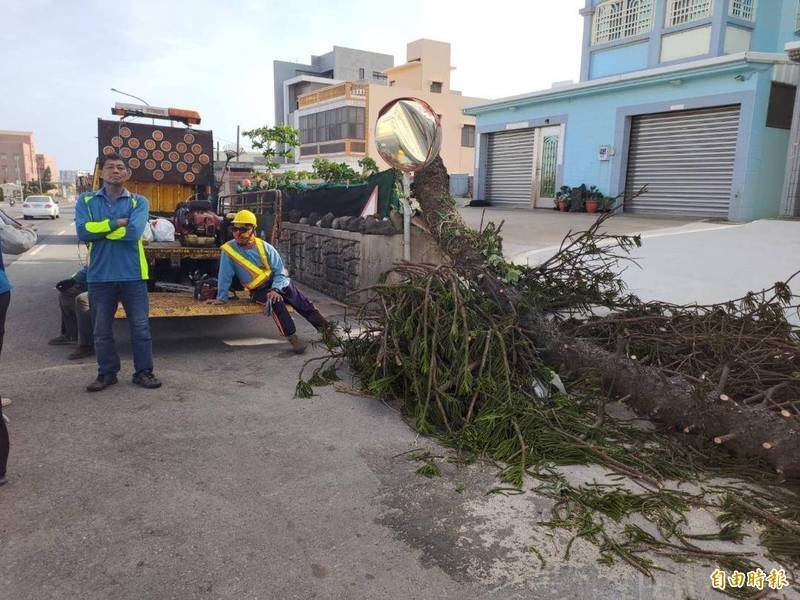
509 168
686 160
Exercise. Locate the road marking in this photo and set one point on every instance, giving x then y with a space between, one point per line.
62 232
254 341
36 250
56 368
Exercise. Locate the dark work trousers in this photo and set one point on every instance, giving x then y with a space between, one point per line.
5 300
294 298
76 318
103 300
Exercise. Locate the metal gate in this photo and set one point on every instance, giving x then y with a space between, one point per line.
509 168
685 159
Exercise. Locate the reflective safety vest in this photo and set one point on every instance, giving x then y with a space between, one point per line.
259 275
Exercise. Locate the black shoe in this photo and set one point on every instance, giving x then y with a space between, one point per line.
81 352
62 340
3 480
146 379
101 383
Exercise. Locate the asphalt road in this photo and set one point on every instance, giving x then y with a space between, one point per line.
218 485
222 485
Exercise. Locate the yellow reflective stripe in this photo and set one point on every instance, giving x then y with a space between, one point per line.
117 234
98 226
259 275
243 261
255 283
262 252
145 269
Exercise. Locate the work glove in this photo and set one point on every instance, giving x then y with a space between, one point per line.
65 284
272 298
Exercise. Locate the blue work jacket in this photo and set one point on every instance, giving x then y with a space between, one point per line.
115 253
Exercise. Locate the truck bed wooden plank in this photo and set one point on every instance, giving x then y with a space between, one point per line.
165 304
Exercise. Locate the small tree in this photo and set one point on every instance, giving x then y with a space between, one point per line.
274 143
333 172
368 166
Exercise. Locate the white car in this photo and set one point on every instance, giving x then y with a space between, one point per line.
40 206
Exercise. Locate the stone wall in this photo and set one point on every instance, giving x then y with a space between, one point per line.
337 262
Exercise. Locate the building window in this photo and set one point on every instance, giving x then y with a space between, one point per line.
468 136
361 73
436 87
781 105
342 123
685 11
618 19
743 9
379 76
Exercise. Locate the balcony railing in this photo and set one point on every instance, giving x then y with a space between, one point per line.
345 90
333 147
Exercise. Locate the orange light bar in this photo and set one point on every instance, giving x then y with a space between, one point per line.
188 116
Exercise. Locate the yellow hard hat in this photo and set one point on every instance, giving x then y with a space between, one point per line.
245 217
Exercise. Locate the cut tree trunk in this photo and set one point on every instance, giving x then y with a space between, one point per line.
746 430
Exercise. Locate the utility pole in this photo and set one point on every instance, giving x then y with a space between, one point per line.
237 140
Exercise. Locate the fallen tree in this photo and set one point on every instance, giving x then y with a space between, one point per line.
514 364
748 342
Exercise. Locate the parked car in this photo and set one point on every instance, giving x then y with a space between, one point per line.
40 206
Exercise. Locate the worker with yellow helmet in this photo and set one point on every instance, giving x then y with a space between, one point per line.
260 270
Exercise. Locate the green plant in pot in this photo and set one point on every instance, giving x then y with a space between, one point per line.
563 198
594 200
577 198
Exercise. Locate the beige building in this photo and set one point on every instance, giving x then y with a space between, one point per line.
17 157
45 161
338 121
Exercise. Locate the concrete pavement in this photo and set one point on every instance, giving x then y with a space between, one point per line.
525 231
681 260
222 485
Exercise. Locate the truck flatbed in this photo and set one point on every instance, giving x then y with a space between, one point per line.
168 304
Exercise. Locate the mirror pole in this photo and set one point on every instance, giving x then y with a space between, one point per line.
406 217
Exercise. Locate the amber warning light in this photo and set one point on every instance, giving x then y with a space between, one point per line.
189 117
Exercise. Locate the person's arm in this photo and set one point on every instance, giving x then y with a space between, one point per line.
134 229
279 278
88 230
224 277
16 240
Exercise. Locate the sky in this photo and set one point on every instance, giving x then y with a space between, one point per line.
60 58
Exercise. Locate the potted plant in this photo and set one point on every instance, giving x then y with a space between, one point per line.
594 199
578 198
563 198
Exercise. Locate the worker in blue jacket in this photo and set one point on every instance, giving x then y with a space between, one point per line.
112 220
259 268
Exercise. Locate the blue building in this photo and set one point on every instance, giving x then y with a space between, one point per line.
694 98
